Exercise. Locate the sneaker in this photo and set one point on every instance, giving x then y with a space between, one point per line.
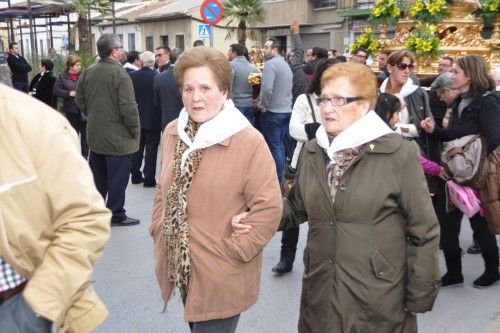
474 248
452 280
486 280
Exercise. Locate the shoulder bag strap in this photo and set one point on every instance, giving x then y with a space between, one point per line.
311 106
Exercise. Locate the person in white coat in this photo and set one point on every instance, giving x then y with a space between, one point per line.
304 122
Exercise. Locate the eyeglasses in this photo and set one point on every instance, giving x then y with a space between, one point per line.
336 100
404 66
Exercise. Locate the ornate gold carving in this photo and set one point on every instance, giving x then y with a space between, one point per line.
402 33
468 36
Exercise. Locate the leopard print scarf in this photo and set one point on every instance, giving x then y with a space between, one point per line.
341 161
175 223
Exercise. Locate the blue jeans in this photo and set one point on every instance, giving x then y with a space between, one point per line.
21 86
274 127
248 113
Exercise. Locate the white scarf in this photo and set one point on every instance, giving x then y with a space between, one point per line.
366 129
408 88
225 124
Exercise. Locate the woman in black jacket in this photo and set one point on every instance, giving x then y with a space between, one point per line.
42 84
65 87
475 111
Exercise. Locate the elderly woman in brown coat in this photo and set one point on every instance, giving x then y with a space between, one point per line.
371 259
214 164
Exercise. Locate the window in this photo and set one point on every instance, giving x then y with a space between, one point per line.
121 37
363 4
131 42
41 51
149 43
179 41
324 3
164 40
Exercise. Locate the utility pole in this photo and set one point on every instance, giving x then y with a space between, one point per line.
30 18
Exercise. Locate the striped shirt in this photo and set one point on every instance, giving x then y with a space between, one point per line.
9 278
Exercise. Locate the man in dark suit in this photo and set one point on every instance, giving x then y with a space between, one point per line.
166 92
150 117
19 68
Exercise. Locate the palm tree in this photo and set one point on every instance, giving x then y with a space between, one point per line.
245 12
82 8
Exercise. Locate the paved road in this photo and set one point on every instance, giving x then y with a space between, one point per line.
124 279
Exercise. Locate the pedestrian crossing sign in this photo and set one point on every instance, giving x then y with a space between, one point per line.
204 31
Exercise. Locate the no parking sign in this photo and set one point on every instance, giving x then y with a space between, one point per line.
211 11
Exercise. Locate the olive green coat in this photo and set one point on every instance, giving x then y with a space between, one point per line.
371 258
106 95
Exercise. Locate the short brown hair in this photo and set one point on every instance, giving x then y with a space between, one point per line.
202 56
360 76
396 57
72 60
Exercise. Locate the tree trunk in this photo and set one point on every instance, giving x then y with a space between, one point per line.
83 34
242 32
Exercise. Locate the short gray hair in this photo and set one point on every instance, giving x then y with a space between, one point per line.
107 43
147 58
442 82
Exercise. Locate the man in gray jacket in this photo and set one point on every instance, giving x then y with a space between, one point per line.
242 92
276 102
106 95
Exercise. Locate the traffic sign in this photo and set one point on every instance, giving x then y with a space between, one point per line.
211 11
204 31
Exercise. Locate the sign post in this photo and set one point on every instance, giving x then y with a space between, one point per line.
211 11
205 33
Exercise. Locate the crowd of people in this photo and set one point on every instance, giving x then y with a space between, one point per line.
245 149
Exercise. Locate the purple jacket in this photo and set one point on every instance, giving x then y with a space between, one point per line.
430 167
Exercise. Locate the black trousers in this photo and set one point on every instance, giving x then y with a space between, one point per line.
150 140
111 175
450 230
80 127
289 240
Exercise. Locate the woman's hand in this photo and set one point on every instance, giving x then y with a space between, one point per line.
443 174
239 228
428 125
72 93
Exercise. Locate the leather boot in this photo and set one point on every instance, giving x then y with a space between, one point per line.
454 275
491 274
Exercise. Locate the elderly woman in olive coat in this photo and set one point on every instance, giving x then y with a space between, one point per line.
371 259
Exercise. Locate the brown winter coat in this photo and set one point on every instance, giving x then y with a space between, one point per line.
490 192
235 175
372 257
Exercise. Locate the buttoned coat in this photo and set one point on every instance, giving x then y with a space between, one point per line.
234 176
371 257
53 221
106 96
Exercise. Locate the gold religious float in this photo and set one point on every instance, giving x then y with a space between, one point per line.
433 28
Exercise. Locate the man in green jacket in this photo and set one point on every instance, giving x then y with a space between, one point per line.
106 95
